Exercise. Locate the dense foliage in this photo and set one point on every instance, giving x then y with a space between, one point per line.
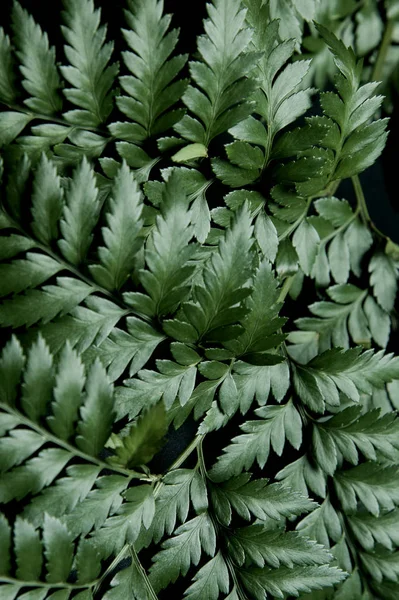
175 250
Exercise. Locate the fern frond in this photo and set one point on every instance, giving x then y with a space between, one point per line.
278 423
222 75
184 548
47 202
261 582
44 560
375 487
80 214
256 498
279 101
349 432
167 256
151 87
347 371
225 275
261 546
38 66
8 92
89 73
122 236
211 580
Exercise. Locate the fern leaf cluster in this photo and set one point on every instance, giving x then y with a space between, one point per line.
176 260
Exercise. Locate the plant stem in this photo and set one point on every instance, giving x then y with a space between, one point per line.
286 288
143 574
111 567
361 201
197 441
43 584
382 52
362 206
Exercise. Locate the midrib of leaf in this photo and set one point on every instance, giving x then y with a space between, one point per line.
43 584
59 121
72 449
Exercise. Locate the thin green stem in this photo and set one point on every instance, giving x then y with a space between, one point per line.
58 121
43 584
143 574
377 73
180 460
362 206
286 288
111 567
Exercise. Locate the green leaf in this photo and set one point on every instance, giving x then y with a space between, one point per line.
346 371
381 565
38 381
180 551
260 582
371 434
287 259
28 550
277 424
88 72
80 214
45 304
171 381
225 274
190 152
262 320
168 252
96 414
47 201
370 530
351 109
122 349
122 235
222 74
134 514
303 474
12 361
376 487
127 584
64 496
262 547
256 498
181 488
306 242
266 236
38 65
338 212
58 550
152 89
143 439
383 278
7 77
69 384
210 580
322 524
5 542
11 125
